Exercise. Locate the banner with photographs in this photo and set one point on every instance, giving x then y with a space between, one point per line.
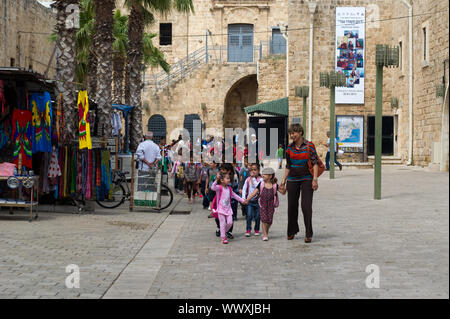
350 47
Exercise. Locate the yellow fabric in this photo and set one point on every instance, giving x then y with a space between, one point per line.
83 124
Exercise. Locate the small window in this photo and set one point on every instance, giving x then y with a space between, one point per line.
12 62
425 55
165 34
400 45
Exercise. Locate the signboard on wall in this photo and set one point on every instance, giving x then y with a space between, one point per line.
350 133
350 53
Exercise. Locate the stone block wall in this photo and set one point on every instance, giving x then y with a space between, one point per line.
210 84
18 19
324 61
271 79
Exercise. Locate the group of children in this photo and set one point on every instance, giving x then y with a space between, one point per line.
223 187
259 195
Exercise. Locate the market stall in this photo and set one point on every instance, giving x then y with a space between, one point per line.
31 145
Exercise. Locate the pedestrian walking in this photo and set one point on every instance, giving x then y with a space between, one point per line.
203 185
223 201
212 173
280 154
336 149
253 207
267 192
148 153
244 173
191 178
299 179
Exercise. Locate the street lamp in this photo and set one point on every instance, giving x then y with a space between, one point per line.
303 91
331 80
385 56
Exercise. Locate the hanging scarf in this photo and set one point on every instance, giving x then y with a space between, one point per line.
83 124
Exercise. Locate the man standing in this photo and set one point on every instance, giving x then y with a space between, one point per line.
336 148
148 153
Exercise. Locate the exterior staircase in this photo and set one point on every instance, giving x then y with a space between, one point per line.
191 63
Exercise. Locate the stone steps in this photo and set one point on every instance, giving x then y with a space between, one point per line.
387 160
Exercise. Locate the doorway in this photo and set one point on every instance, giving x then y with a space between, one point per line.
280 123
387 148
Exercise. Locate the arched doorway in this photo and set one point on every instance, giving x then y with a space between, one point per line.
242 94
157 124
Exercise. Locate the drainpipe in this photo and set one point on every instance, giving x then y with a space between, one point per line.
284 33
410 113
444 136
312 10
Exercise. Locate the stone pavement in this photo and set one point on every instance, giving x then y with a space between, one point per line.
153 255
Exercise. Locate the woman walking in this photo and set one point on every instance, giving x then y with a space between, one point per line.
299 179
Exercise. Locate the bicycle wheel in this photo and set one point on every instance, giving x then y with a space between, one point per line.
166 198
117 198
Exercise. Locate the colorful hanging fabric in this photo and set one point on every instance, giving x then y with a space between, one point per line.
54 170
22 133
4 135
42 122
83 125
90 167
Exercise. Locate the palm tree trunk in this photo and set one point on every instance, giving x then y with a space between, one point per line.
92 72
135 33
118 75
126 93
65 71
104 39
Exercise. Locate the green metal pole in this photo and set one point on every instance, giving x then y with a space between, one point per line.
304 114
378 131
332 130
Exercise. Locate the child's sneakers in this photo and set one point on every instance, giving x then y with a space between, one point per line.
224 241
256 233
247 233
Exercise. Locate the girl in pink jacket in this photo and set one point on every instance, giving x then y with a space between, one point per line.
224 194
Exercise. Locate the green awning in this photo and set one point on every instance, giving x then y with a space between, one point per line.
278 107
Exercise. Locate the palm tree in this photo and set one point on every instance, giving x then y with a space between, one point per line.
65 72
120 33
141 10
84 37
103 38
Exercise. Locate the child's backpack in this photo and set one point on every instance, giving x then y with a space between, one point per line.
215 202
276 202
180 171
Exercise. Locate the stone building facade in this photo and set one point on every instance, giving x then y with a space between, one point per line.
25 26
387 23
219 90
227 83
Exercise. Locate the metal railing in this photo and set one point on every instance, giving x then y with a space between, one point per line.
217 54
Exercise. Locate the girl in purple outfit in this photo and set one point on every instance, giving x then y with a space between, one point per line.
224 195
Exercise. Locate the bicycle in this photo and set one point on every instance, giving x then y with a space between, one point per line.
120 194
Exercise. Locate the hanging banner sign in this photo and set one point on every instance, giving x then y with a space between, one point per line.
350 49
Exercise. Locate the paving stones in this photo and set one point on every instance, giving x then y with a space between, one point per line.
405 234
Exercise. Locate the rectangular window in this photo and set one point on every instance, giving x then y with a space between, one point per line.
165 34
425 57
401 55
12 62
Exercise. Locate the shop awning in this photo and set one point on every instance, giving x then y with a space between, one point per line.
277 107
